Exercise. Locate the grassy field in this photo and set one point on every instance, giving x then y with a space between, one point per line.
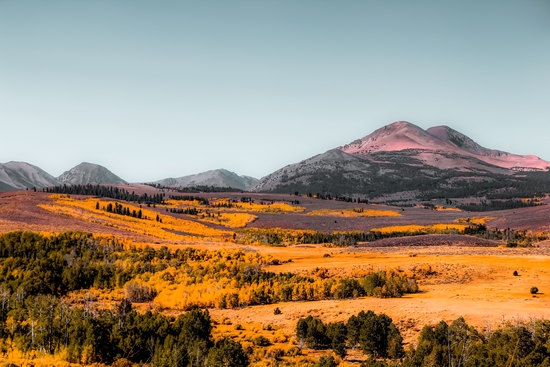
476 282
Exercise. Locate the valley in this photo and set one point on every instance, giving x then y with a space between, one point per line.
457 275
405 246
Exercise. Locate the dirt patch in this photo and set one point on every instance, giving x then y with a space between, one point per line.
432 240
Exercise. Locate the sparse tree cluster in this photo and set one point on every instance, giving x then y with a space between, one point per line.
375 335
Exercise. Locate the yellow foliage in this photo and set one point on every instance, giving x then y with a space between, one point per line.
442 208
477 220
250 207
168 227
367 213
231 220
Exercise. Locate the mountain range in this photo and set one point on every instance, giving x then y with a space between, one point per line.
215 178
22 175
401 162
398 162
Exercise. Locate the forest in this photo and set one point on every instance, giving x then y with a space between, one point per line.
45 309
519 344
38 315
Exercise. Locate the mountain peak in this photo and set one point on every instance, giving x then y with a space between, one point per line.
216 178
22 175
397 136
89 173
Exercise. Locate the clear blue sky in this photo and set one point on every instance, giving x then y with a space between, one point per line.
155 89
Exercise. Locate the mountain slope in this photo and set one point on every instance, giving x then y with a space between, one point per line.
330 171
491 156
89 173
22 175
215 178
398 136
403 160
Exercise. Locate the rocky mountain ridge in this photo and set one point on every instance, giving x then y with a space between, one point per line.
22 176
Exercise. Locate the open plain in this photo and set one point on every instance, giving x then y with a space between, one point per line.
457 275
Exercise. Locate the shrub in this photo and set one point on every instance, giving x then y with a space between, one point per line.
294 351
534 290
261 341
326 361
277 311
516 273
139 292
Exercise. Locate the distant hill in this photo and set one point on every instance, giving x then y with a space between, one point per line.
22 175
214 178
402 162
89 173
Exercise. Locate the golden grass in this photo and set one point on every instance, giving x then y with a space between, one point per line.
169 229
276 207
366 213
230 220
444 209
476 220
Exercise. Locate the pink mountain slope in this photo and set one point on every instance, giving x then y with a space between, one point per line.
491 156
439 146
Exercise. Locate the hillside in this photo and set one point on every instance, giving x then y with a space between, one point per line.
89 173
215 178
402 163
22 175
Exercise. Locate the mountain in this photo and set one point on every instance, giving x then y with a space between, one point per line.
400 135
320 173
440 146
215 178
22 175
465 145
402 161
89 173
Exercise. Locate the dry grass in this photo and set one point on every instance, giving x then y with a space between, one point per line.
476 283
355 213
168 228
418 228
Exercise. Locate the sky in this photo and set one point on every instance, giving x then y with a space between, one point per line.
156 89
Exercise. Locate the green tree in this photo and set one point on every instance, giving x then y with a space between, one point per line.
227 353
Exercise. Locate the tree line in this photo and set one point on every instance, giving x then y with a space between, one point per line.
282 237
107 192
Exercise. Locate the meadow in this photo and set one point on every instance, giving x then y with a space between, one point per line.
259 273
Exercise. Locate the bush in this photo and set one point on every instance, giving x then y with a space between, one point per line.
226 352
326 361
261 341
294 351
139 292
516 273
534 290
277 311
